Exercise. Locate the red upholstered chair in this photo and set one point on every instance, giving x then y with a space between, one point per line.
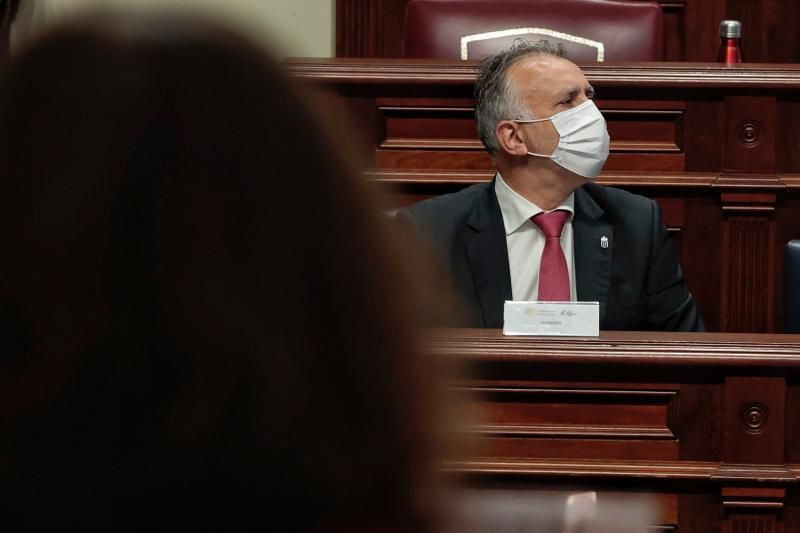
591 30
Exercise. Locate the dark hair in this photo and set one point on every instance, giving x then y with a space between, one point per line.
495 99
208 329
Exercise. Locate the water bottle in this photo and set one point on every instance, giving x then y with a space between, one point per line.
730 42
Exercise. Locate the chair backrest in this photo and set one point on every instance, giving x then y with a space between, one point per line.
591 30
791 287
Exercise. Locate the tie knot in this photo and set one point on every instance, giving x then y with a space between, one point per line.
551 223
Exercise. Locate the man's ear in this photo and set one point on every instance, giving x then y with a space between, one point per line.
509 139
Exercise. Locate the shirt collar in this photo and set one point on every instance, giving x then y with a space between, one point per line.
518 210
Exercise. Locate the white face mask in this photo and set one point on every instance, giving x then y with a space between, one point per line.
583 144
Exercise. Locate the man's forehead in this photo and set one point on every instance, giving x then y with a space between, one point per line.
546 72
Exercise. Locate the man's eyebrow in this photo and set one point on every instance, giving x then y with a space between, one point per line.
569 92
572 92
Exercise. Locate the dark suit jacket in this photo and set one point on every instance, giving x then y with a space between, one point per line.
636 279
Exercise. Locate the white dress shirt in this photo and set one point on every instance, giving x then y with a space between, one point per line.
525 241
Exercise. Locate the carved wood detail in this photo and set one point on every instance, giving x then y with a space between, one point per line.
747 270
752 495
751 523
753 509
754 416
753 420
751 128
749 133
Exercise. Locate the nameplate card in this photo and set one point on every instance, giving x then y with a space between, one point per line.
575 319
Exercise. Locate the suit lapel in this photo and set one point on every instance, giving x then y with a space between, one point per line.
592 260
487 253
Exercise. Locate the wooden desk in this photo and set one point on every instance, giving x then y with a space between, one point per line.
717 147
707 423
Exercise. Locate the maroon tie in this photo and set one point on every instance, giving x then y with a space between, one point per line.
553 273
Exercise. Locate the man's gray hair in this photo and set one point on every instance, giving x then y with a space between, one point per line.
495 99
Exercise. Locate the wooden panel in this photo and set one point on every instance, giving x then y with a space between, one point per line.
751 15
748 266
644 131
620 422
791 511
704 126
645 162
357 25
753 509
633 450
730 474
700 427
750 134
579 412
698 513
788 134
674 29
780 30
435 159
769 29
793 423
430 127
751 523
754 420
745 303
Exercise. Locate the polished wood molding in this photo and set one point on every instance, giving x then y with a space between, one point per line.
636 348
665 470
439 177
402 71
681 180
698 471
642 75
694 75
791 181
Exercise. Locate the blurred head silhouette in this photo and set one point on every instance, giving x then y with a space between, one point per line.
202 327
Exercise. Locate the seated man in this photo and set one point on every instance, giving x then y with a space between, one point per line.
542 229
